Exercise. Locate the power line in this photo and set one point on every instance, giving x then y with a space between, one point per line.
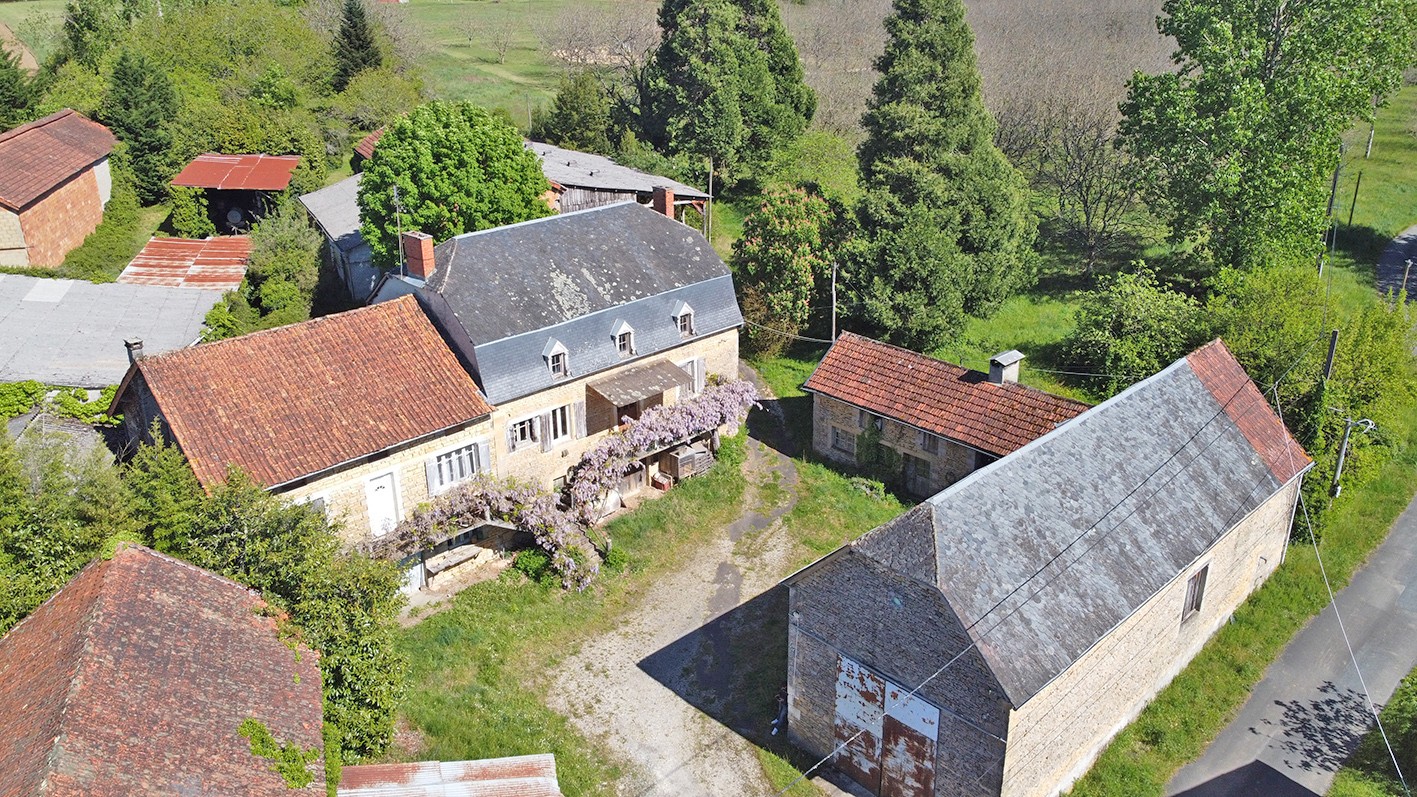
785 334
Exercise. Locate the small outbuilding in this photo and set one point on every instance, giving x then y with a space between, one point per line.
238 187
54 184
994 639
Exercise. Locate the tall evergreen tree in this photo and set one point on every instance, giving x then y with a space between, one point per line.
138 107
355 48
725 83
946 216
580 117
16 91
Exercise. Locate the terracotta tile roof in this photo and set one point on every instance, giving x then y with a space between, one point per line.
366 145
937 396
1225 378
238 172
134 678
292 401
40 156
518 776
214 264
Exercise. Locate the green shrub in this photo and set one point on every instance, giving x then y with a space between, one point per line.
616 560
18 398
535 564
109 248
190 215
75 403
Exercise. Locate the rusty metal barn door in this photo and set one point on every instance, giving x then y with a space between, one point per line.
860 709
908 736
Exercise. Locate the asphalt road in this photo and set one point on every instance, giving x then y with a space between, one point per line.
1308 713
1393 262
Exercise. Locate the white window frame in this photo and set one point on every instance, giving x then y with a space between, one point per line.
682 313
622 331
554 348
322 497
478 467
535 428
691 367
568 423
837 435
398 498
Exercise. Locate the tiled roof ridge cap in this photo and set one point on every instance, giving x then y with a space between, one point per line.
29 127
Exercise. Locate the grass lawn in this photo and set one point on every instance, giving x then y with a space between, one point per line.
35 22
1387 195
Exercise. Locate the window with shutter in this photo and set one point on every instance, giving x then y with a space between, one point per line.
450 467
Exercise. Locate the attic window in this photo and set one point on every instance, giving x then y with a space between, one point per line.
557 359
684 319
624 337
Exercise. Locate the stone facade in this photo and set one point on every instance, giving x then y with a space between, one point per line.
835 422
1059 732
12 240
59 221
903 630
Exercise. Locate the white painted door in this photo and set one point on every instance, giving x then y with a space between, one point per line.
383 504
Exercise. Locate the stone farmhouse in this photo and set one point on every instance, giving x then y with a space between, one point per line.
945 421
992 640
54 184
135 678
571 323
356 412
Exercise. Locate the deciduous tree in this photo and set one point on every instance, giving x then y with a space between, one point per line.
1132 327
457 168
946 215
780 258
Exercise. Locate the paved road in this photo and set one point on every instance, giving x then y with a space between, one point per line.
1393 261
1309 713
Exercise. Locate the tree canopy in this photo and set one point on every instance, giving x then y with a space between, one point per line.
138 107
16 91
457 168
1240 141
779 260
725 83
579 118
355 47
946 216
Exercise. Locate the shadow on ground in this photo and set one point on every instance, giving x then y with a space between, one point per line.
1254 778
1318 735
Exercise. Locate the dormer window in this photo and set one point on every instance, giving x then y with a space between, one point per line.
557 359
684 319
624 336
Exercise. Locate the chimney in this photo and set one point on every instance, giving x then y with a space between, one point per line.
135 349
418 254
1004 367
664 200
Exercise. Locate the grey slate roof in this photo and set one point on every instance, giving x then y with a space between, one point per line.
336 210
71 332
584 170
572 278
1044 552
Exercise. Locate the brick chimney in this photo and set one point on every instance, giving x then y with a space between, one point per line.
664 200
1004 367
418 254
135 349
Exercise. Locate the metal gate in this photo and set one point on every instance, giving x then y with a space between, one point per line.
886 735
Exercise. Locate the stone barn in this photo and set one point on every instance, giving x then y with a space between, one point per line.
54 184
992 640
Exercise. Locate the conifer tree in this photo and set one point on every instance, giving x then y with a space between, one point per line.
579 119
138 107
725 83
355 48
946 216
16 91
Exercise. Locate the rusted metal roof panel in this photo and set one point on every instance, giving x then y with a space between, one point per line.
217 264
517 776
238 172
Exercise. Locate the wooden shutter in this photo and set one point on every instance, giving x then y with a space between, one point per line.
511 437
544 430
484 456
699 375
430 469
578 411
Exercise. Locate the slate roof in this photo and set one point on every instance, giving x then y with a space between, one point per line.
517 776
40 156
134 677
569 168
238 172
71 332
939 397
1042 553
336 209
213 264
292 401
573 278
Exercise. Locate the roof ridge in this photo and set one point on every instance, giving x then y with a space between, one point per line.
552 217
38 123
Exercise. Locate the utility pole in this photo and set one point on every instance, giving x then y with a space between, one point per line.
1332 349
398 225
1343 450
834 300
708 222
1405 272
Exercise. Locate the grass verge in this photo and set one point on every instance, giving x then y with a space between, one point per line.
1370 772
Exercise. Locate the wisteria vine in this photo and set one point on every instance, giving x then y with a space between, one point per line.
532 509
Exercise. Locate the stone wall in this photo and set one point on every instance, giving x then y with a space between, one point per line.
61 219
904 631
949 463
12 240
1055 736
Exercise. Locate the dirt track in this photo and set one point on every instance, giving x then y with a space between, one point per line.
12 44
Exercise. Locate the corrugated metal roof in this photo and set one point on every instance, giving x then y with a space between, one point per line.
1044 552
518 776
214 264
38 157
238 172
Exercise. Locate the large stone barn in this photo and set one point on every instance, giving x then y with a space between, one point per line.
992 640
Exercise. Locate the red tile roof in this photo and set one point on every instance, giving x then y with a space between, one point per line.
38 157
239 172
366 145
134 678
293 401
519 776
216 264
1225 378
937 396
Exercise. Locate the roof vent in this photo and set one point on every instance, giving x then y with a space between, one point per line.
1003 367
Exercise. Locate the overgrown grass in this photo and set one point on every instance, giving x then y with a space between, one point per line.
35 22
1370 772
831 511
